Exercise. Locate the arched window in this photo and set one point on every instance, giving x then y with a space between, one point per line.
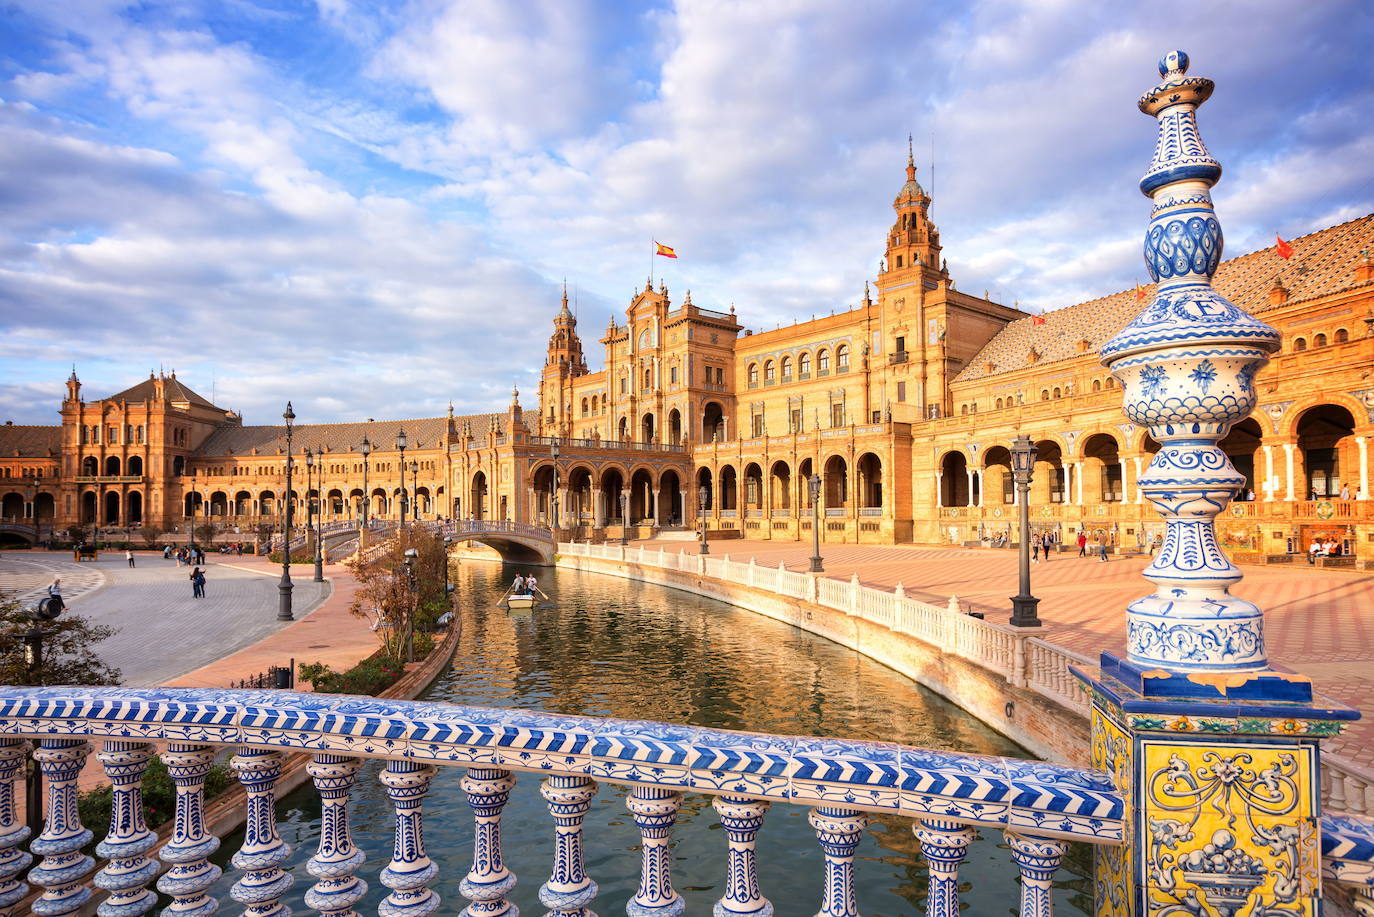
1342 335
822 361
998 404
804 365
786 368
753 375
584 407
1299 345
593 404
1097 385
963 409
1319 341
1111 382
1045 395
842 358
1056 391
647 377
770 372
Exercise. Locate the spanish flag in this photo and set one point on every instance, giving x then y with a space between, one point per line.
664 250
1282 248
1139 291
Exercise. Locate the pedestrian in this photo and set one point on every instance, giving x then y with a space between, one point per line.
197 584
55 587
166 552
1082 543
1045 544
200 582
1345 491
129 556
1101 548
1035 549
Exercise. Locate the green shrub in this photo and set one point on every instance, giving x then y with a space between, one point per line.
371 676
159 798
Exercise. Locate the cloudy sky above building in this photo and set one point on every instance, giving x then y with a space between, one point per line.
370 207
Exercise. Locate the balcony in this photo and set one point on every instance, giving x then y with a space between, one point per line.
898 357
109 479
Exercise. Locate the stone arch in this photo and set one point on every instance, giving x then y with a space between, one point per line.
542 484
219 503
1102 472
997 475
90 507
478 495
675 426
612 484
113 503
1293 416
804 364
90 466
1326 451
12 507
752 375
670 508
780 481
136 465
1048 481
753 487
835 487
648 427
580 504
1240 445
424 502
712 422
133 507
192 504
178 466
44 507
805 469
641 494
243 503
379 503
623 430
728 488
954 489
869 469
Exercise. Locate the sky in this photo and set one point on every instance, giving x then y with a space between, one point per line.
370 207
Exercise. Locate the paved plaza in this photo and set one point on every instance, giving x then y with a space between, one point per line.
1317 622
162 632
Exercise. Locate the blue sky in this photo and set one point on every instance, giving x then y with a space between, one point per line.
370 207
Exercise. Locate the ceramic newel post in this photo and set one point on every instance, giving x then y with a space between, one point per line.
1214 748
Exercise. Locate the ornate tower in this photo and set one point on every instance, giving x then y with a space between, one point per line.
913 243
563 364
1215 750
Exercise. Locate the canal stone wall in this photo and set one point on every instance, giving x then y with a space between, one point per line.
1048 729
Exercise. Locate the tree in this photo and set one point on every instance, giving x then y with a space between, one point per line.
402 606
206 531
76 534
151 533
68 654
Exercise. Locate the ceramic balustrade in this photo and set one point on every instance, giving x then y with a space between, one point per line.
842 782
1047 673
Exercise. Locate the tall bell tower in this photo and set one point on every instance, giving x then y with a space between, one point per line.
913 243
562 365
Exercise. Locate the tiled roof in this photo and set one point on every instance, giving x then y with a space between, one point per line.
1323 262
144 390
421 433
29 442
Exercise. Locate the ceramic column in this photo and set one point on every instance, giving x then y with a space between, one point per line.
945 845
63 869
489 881
128 869
939 487
1364 466
13 832
1213 750
742 818
191 875
411 870
839 831
1037 859
1139 462
968 477
336 859
598 508
569 890
263 851
654 810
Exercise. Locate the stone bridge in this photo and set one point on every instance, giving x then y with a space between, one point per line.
518 542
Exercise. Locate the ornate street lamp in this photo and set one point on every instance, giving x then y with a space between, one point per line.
415 483
284 587
553 490
624 516
701 518
410 555
401 447
1022 462
815 484
317 512
366 450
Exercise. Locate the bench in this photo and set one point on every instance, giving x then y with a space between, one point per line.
80 554
1345 561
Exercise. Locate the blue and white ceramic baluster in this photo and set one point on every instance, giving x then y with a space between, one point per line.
64 866
13 832
410 871
1187 366
489 881
839 832
945 844
192 874
129 870
1038 858
569 889
742 818
263 851
654 810
334 863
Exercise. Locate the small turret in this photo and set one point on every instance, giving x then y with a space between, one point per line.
73 386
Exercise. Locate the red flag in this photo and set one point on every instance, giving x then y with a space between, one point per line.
1282 248
1037 319
664 250
1139 290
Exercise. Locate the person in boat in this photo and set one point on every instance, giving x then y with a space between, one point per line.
518 587
531 585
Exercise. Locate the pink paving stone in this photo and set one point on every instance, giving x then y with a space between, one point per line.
1318 622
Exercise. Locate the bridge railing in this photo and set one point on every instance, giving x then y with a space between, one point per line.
1038 806
1025 660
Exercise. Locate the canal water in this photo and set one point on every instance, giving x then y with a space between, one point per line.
614 647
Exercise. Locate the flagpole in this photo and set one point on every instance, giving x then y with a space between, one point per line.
653 249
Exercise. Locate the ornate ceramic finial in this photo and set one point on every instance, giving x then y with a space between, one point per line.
1187 366
648 284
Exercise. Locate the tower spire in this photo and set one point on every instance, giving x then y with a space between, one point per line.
910 160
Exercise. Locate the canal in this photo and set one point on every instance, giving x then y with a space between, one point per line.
614 647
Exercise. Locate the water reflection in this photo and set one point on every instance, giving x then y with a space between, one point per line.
612 647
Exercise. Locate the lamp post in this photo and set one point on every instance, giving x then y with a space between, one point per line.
309 503
553 491
415 483
624 516
1024 604
284 587
315 505
191 529
815 484
33 664
701 519
401 447
366 450
410 555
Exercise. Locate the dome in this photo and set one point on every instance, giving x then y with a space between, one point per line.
911 193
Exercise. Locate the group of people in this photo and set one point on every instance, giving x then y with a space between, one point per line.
1043 543
1329 547
524 585
193 554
